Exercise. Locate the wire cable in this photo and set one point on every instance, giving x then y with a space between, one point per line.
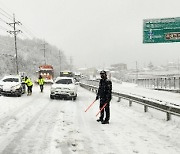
25 31
10 16
5 16
3 20
3 28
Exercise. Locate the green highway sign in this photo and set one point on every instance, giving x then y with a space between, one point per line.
163 30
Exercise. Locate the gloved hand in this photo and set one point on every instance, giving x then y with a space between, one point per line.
108 100
97 97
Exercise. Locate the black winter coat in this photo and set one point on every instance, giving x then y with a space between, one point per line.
105 90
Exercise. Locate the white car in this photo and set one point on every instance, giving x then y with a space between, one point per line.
64 87
12 85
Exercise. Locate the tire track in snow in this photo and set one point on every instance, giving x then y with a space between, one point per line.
13 114
68 142
10 143
38 138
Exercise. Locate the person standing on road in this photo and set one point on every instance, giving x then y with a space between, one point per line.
29 84
41 83
105 95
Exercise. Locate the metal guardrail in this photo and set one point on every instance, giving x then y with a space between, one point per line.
166 83
147 102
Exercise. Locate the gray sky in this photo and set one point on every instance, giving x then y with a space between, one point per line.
98 32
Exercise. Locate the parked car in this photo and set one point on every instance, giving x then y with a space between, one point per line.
12 85
64 87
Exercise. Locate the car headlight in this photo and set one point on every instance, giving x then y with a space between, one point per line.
16 87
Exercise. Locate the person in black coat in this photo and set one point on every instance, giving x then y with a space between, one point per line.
104 94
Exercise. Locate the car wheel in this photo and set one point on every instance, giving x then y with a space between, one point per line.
52 97
19 95
23 91
74 98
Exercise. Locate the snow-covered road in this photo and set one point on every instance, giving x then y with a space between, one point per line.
37 125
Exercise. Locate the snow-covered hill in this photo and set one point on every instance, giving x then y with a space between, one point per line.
30 56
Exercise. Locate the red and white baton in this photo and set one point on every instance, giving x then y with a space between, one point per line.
90 105
101 109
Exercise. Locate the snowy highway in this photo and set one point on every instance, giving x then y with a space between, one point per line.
38 125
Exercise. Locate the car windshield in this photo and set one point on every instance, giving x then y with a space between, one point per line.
11 80
64 81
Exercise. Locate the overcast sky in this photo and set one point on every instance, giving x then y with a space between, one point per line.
98 32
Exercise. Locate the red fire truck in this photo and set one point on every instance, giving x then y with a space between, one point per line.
47 72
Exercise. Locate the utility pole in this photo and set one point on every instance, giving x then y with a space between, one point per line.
44 49
15 41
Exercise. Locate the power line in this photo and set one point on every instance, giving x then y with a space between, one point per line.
11 12
5 15
10 17
3 20
3 28
28 31
25 35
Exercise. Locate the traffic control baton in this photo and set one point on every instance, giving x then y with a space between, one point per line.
101 109
90 105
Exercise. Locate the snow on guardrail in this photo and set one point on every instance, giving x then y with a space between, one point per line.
169 108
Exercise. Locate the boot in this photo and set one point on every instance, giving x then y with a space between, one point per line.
105 122
99 120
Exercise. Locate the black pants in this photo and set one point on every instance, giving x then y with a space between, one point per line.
41 87
106 111
29 89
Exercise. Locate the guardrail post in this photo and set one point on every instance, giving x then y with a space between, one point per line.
169 83
168 116
145 108
165 83
130 103
119 99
